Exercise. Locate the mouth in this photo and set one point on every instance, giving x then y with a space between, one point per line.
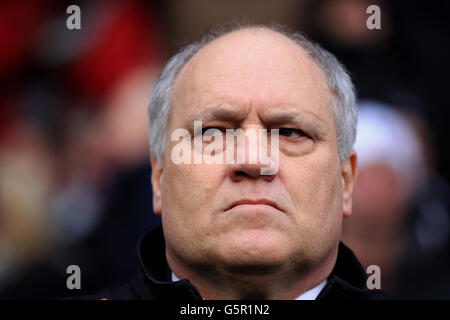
265 202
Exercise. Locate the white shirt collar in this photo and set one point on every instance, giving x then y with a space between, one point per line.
311 294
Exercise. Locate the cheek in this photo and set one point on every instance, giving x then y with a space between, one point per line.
316 188
186 189
317 193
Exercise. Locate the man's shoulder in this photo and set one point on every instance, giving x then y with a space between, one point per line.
338 289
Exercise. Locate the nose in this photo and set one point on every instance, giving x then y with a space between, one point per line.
252 161
238 172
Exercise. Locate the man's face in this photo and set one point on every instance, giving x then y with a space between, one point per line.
261 80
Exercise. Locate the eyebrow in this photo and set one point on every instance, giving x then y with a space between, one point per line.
275 116
223 113
217 112
290 115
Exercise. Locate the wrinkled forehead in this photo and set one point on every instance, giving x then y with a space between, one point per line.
255 66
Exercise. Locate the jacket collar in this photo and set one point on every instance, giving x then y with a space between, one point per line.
153 279
348 279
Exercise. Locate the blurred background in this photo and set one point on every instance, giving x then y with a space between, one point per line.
74 170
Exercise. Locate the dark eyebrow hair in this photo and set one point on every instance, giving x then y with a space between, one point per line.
290 115
275 116
217 112
225 114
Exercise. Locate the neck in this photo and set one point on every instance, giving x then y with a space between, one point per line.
282 283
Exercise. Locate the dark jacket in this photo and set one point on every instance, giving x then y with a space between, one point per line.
153 278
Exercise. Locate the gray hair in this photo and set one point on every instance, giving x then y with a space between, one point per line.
344 106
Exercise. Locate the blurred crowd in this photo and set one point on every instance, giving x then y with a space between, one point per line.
74 164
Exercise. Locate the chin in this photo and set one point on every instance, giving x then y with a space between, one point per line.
254 251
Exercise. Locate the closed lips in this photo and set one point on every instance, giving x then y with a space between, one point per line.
255 202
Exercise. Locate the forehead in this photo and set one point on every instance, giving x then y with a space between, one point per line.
252 67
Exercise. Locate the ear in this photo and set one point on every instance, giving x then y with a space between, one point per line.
157 172
349 173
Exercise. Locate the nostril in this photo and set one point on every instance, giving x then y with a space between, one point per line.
240 173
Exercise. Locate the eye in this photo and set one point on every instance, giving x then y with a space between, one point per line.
212 131
291 133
